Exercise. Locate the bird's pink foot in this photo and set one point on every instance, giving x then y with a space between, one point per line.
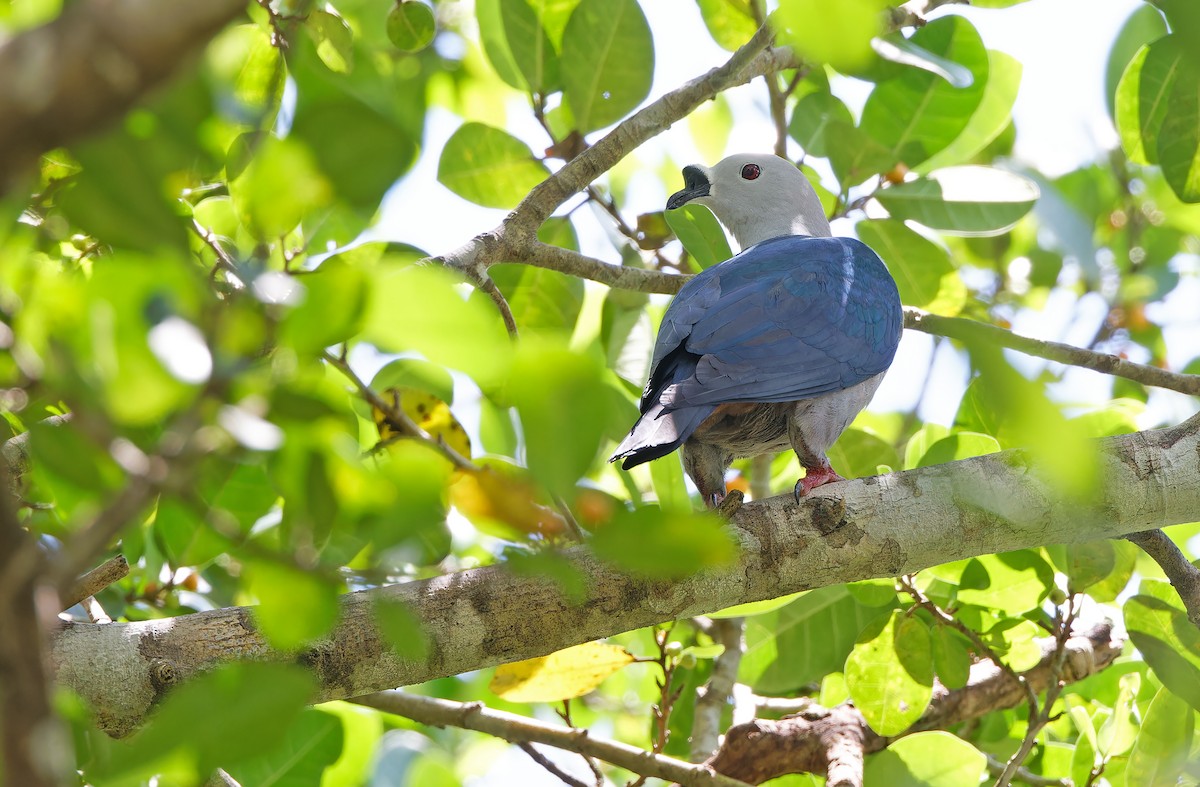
814 477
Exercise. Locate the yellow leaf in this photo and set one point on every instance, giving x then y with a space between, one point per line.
503 494
560 676
426 411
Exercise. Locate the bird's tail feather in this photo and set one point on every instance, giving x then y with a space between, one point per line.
658 433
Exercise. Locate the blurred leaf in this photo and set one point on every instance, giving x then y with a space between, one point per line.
960 445
666 475
420 308
1163 741
951 658
607 61
1088 563
890 673
962 200
1159 627
530 45
1143 26
488 166
1012 582
333 39
919 113
1143 96
657 544
711 123
295 607
1179 135
362 729
503 500
221 718
540 299
401 628
796 645
411 26
855 155
564 410
988 121
415 373
757 607
873 592
332 308
843 39
562 675
279 186
731 23
920 443
1124 562
927 759
700 233
311 744
916 263
1117 734
859 453
243 58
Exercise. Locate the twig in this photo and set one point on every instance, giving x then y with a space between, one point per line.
100 577
396 418
711 698
95 611
765 749
996 767
1183 575
543 761
514 728
973 331
1038 720
488 286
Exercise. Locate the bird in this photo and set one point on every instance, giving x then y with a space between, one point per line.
780 346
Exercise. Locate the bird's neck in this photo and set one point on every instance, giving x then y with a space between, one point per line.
754 226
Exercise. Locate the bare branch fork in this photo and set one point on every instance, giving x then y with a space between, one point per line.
880 526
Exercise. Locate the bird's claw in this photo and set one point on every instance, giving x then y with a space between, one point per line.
814 477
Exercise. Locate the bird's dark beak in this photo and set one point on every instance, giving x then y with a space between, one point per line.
695 184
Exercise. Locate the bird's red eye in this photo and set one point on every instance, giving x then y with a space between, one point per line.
751 171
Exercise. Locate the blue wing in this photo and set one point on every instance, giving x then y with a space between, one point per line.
787 319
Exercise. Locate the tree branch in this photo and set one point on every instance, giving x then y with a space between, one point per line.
97 579
974 331
1182 574
880 526
765 749
513 728
66 79
712 697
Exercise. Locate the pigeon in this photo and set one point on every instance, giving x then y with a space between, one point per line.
780 346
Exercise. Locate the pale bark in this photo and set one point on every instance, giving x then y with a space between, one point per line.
872 527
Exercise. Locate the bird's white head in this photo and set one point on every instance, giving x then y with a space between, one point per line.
757 196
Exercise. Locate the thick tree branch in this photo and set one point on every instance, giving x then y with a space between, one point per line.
765 749
511 727
66 79
714 695
1182 574
880 526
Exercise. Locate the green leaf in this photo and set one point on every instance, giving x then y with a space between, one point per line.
1179 136
899 49
1143 26
816 118
242 57
333 39
842 39
411 26
295 607
1088 563
731 23
808 638
415 373
666 474
1159 627
560 397
918 113
541 300
657 544
607 61
873 592
926 759
890 673
951 658
700 233
360 150
1125 561
1143 96
419 308
757 607
1012 582
279 187
960 445
488 166
332 310
1117 734
921 268
1163 741
311 744
855 155
859 453
988 121
962 200
362 729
